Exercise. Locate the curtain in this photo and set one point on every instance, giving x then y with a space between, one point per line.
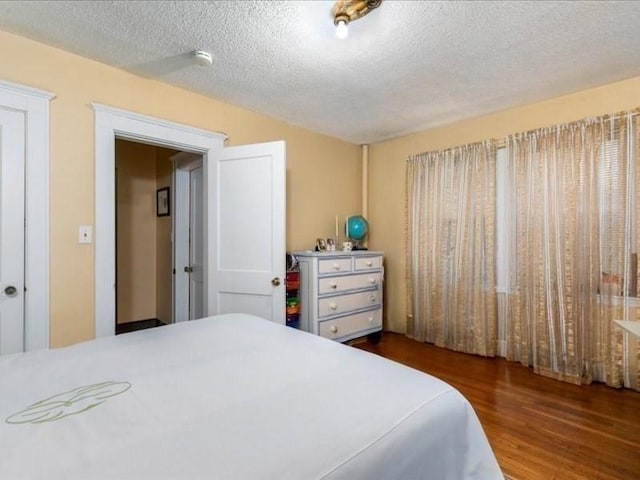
450 248
573 206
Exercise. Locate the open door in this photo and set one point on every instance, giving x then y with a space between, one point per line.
196 248
188 237
246 222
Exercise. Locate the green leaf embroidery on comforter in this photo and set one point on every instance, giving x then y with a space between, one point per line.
74 401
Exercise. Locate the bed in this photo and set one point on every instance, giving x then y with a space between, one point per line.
231 397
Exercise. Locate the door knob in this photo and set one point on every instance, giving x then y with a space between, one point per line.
188 269
275 281
10 291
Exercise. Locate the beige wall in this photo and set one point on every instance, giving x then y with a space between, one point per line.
136 231
323 174
144 257
163 240
387 168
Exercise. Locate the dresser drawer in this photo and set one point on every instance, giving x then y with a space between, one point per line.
341 294
351 324
368 263
348 303
333 265
348 282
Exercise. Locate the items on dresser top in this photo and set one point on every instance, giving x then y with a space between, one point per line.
341 293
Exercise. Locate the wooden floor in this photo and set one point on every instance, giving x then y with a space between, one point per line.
539 428
138 325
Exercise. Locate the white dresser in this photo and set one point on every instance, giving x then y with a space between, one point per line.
341 293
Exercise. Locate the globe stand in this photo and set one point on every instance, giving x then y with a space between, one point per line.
357 246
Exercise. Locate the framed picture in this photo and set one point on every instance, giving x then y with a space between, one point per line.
331 245
321 245
163 203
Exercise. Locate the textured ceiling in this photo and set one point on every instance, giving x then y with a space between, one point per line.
405 67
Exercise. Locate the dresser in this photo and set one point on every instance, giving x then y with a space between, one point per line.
341 293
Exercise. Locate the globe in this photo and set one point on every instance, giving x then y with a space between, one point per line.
357 227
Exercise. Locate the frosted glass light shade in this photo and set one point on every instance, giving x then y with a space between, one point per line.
342 30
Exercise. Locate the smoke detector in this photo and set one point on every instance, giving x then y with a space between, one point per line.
202 58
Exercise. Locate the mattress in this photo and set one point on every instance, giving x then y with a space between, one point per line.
231 397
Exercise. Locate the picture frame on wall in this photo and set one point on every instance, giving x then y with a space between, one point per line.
163 202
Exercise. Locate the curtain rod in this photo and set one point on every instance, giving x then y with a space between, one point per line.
501 143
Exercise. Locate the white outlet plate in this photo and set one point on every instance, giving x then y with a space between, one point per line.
85 234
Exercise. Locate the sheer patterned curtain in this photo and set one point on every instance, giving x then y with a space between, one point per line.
450 248
573 204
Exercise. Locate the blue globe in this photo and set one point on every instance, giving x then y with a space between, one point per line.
357 227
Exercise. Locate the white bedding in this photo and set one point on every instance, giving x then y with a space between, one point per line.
231 397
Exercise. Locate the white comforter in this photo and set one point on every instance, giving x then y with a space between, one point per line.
231 397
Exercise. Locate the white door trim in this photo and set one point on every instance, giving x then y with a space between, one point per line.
111 123
34 104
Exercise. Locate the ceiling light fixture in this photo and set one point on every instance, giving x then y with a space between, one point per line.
345 11
202 58
342 30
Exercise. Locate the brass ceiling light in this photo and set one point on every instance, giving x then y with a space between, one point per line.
345 11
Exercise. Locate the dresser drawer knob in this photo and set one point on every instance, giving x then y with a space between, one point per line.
372 298
333 306
370 319
336 266
334 285
369 263
334 329
372 281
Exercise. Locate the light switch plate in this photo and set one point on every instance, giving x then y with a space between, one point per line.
85 234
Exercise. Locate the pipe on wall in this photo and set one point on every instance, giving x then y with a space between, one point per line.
365 181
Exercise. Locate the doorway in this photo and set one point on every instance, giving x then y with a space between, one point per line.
243 261
143 186
111 123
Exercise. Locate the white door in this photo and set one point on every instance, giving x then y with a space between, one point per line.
12 163
196 254
247 231
188 236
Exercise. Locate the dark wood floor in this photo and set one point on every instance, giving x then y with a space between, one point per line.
138 325
539 428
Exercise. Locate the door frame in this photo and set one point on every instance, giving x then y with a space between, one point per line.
110 123
183 163
34 104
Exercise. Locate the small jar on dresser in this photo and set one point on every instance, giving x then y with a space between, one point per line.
341 293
